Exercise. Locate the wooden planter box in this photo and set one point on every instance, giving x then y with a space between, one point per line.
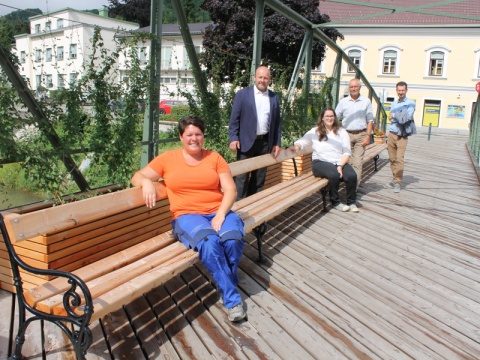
285 170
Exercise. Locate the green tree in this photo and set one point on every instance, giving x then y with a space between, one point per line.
228 43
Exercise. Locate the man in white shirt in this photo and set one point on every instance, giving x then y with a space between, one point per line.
254 129
355 112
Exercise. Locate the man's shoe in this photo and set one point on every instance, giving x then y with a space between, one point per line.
342 207
391 184
354 208
236 313
396 188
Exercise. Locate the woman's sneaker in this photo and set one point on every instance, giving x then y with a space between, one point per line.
236 313
354 208
342 207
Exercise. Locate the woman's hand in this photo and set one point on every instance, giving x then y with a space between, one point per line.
144 178
340 170
149 193
217 221
294 148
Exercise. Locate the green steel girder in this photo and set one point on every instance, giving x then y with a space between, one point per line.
309 26
257 39
43 124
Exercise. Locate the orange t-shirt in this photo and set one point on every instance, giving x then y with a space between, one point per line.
191 189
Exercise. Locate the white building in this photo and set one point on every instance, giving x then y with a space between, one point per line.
175 65
52 55
432 45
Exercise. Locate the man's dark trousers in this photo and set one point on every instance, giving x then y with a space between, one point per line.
250 183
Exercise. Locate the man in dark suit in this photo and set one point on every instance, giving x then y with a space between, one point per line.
255 129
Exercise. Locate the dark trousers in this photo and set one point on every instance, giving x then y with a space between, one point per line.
328 170
251 183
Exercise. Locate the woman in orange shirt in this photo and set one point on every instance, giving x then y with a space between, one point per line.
201 192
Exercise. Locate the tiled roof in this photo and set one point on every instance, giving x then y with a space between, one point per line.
445 13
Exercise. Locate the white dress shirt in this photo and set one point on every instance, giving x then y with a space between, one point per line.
262 103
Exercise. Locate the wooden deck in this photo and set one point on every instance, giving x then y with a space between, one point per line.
399 280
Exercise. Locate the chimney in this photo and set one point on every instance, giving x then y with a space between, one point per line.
103 12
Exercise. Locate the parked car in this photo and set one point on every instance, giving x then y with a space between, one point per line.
165 106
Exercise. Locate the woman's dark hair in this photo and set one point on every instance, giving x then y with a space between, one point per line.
321 129
190 120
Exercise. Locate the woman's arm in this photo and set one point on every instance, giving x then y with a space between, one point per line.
229 195
144 178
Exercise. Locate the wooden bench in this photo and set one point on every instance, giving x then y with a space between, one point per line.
74 299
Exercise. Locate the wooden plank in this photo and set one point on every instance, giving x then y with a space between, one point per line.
99 349
247 165
182 337
102 282
251 342
151 337
112 222
37 223
6 301
219 343
120 336
101 267
133 289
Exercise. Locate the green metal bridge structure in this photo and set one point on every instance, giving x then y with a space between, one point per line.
150 130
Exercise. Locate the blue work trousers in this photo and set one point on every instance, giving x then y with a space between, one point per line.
219 252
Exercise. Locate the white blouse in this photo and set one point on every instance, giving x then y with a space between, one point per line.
330 150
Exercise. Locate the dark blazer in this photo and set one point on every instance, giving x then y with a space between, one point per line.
243 120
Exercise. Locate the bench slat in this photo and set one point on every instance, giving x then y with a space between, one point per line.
133 289
109 281
247 165
101 267
57 218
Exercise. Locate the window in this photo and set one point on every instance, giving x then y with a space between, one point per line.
48 26
142 55
355 56
22 57
73 51
59 23
166 57
38 81
48 55
37 28
38 55
168 80
186 60
436 63
389 62
61 81
48 80
187 80
60 53
73 78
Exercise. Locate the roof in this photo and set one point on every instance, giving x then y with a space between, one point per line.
174 29
420 12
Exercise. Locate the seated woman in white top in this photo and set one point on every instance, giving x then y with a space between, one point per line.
331 150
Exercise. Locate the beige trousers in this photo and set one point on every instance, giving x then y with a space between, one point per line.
396 152
358 150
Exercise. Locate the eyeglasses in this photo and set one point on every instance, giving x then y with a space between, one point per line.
328 116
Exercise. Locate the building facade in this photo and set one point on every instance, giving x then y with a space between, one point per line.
176 75
436 53
53 54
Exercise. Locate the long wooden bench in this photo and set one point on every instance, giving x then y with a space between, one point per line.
88 293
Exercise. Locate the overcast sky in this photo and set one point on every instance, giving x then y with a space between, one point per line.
7 6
